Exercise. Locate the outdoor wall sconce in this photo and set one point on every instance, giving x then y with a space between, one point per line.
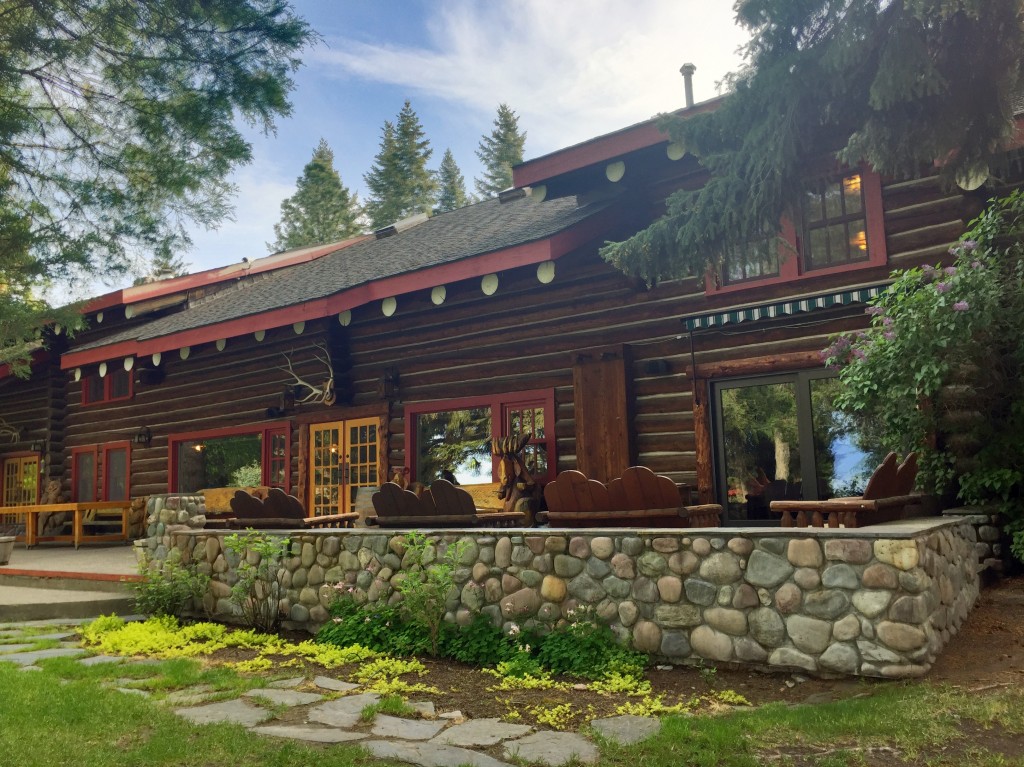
143 437
387 387
37 446
286 403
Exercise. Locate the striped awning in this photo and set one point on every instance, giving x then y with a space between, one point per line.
783 308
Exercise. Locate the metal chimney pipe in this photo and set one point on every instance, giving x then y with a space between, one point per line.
687 70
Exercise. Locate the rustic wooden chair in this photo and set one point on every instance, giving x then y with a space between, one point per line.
887 497
639 498
443 505
280 511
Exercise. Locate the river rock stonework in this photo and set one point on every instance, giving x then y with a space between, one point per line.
878 601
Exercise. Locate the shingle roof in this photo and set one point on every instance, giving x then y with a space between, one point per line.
478 229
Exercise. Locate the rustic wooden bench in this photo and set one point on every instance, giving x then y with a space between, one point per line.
280 511
887 497
442 505
639 498
115 515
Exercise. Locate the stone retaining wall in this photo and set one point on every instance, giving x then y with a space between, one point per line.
993 544
878 601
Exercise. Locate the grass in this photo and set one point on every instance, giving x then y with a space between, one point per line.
65 715
69 714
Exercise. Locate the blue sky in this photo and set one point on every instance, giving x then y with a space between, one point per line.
571 69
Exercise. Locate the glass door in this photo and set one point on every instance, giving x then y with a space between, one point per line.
782 438
343 456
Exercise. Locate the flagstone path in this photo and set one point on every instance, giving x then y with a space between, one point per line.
432 740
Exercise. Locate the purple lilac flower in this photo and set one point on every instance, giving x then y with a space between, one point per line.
887 321
942 287
889 335
860 354
961 306
969 244
874 310
950 270
976 264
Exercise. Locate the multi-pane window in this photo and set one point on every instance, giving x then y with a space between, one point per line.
116 385
21 481
756 261
834 226
453 438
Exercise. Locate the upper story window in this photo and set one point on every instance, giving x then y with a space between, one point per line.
116 385
834 229
841 228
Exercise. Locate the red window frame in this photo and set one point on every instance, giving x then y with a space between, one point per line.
105 474
791 255
500 405
107 386
267 431
75 453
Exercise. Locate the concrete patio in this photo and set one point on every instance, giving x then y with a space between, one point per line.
59 581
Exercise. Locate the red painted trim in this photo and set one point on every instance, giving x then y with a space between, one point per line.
600 149
791 267
546 249
107 386
75 452
497 403
108 448
236 271
37 357
228 431
69 575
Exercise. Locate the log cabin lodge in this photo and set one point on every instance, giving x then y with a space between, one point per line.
326 369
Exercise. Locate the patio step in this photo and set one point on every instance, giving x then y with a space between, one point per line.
65 581
27 603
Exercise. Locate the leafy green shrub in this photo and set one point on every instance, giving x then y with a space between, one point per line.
250 475
939 369
258 590
585 648
428 584
379 627
168 588
481 643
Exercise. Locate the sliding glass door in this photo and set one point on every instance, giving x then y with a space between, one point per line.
781 437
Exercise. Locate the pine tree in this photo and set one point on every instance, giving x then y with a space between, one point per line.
898 85
322 209
120 124
400 183
164 266
451 186
499 152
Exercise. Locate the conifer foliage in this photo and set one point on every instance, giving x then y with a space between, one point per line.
119 124
899 85
322 209
499 151
451 186
399 183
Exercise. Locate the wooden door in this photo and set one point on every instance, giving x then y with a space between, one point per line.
604 426
343 456
21 484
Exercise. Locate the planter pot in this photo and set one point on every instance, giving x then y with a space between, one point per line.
6 547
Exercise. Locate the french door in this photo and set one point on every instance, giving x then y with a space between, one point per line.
782 438
343 456
20 485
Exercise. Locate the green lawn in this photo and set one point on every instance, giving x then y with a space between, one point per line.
65 715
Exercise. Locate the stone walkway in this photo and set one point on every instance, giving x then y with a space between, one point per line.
328 710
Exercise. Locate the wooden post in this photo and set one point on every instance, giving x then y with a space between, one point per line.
702 440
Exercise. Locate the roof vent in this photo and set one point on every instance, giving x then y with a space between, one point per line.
400 226
512 193
687 70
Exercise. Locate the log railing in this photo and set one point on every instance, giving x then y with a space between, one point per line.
81 514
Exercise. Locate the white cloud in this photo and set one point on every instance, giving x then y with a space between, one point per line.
571 69
261 187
